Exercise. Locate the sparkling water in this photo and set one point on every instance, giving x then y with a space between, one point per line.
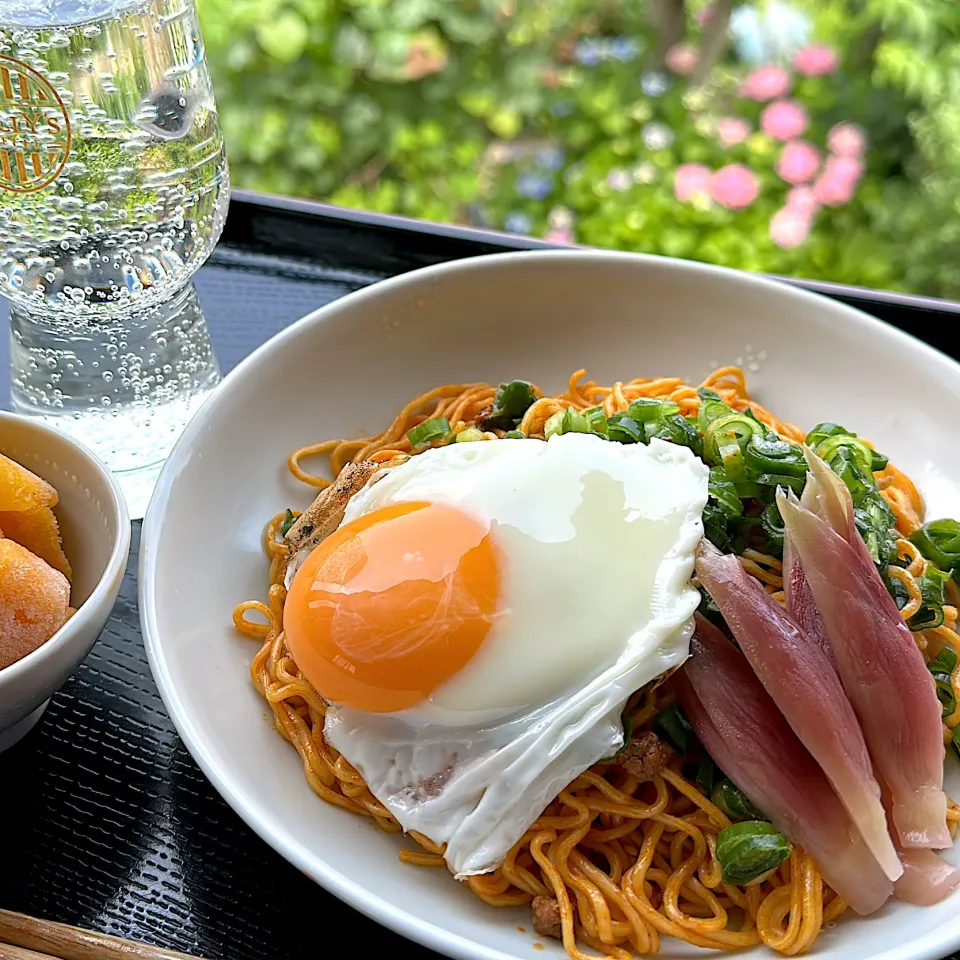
113 191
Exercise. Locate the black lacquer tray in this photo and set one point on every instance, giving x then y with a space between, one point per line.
105 820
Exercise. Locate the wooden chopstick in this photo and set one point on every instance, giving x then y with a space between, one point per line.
9 952
28 938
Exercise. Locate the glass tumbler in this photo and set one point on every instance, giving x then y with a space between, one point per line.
113 191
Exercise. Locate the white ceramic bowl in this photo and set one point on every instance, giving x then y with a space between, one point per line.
96 538
347 368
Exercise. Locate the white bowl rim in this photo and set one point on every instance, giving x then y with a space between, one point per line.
934 946
85 615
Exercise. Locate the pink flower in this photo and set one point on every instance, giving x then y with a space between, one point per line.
784 120
560 237
844 168
816 60
836 185
799 162
691 180
766 83
681 58
802 200
734 186
847 140
789 228
705 15
732 130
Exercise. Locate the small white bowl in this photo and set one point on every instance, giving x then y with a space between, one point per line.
96 538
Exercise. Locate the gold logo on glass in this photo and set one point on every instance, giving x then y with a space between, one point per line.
34 129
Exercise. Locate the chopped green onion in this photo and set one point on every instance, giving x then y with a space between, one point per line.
942 667
778 480
677 429
646 408
823 430
939 542
851 459
734 802
723 505
716 529
861 483
955 739
750 490
554 425
597 420
624 429
931 586
566 421
575 422
849 445
897 589
737 427
510 403
875 522
430 431
514 435
724 492
711 408
288 521
673 726
706 773
749 850
627 734
770 454
708 608
469 435
731 458
772 525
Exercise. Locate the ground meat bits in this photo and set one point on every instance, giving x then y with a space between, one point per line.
546 917
644 756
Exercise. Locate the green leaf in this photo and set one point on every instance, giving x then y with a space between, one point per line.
284 38
352 46
505 123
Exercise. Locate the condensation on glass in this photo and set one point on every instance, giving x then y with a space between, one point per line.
113 191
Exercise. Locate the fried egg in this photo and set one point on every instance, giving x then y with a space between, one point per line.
483 613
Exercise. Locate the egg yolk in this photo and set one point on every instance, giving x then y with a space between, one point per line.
393 604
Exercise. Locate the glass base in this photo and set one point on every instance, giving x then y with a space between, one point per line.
125 387
137 487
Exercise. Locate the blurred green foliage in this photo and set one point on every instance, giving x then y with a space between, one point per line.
537 115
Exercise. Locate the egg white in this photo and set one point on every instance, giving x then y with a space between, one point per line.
598 542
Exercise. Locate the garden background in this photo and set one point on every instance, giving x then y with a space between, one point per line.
816 138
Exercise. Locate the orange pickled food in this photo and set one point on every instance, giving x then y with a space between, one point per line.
39 532
34 601
22 490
